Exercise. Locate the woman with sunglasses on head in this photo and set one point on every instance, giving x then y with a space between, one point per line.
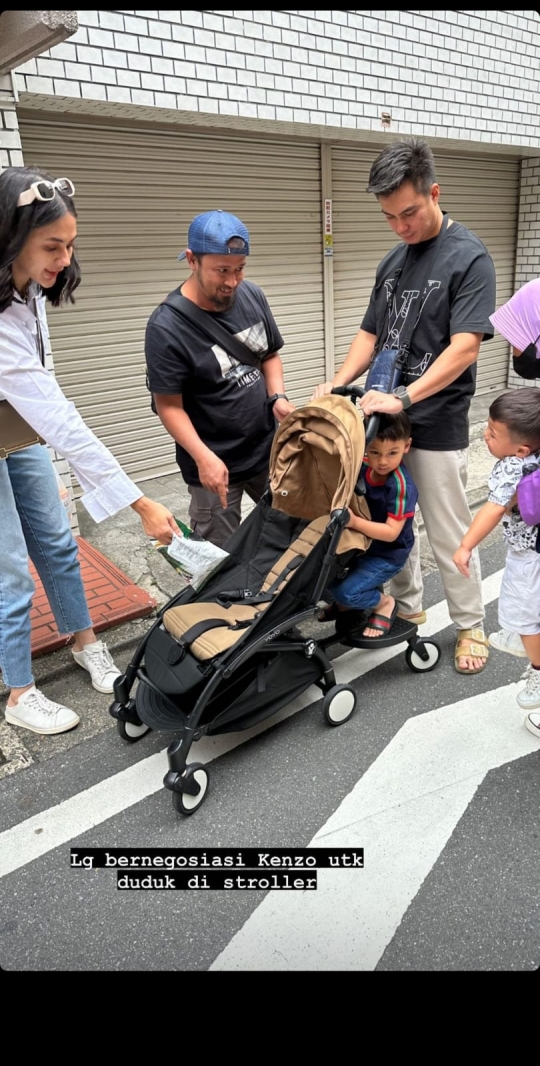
37 261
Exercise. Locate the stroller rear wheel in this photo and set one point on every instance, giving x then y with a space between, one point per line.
339 704
130 732
195 779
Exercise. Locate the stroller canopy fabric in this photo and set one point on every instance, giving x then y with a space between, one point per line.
315 461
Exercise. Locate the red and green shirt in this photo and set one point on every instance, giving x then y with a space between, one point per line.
396 499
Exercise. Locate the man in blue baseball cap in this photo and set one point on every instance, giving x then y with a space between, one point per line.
220 410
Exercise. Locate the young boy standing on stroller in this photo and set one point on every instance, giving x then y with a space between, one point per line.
391 496
513 437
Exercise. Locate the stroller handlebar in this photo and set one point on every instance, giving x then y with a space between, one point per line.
355 392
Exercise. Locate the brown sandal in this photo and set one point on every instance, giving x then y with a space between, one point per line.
473 643
417 619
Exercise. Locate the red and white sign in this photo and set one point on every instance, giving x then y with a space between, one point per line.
327 217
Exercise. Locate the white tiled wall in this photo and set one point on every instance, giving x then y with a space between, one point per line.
10 141
456 75
466 75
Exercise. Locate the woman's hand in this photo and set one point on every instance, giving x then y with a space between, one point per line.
157 520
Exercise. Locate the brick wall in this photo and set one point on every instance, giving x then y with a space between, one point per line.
467 75
11 156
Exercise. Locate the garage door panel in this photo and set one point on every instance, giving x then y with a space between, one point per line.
362 238
136 193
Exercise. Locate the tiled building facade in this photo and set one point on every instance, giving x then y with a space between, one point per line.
466 80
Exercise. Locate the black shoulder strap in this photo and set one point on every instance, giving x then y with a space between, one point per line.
407 332
213 329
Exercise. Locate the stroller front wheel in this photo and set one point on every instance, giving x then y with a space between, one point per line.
195 778
424 657
339 704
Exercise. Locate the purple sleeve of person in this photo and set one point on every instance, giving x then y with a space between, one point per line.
528 495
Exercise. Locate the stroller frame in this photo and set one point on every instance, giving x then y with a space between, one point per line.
188 783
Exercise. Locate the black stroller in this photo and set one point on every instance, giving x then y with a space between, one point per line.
230 655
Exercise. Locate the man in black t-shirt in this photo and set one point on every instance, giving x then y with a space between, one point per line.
221 412
449 317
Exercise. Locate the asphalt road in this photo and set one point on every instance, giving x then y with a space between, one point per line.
434 777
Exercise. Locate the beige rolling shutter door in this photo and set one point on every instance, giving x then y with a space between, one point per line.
361 238
137 191
480 193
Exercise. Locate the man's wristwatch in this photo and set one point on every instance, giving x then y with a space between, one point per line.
403 395
277 396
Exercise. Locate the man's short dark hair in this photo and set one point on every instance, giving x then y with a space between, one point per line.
410 160
394 427
519 411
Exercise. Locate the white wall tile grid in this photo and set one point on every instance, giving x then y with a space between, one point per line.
467 75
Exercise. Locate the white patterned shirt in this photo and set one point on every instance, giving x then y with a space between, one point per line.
502 484
34 392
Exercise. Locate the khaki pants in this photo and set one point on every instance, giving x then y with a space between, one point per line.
441 479
213 522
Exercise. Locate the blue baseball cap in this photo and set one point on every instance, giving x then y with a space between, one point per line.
211 232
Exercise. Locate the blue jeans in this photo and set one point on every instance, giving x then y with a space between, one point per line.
34 522
360 589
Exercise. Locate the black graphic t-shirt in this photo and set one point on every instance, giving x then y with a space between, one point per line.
225 400
458 297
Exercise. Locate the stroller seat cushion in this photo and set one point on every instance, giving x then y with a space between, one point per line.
178 620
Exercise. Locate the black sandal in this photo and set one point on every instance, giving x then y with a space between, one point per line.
329 614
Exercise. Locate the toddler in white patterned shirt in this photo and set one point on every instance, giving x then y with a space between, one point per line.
513 437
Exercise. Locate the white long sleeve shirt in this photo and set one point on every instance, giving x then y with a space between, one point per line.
34 392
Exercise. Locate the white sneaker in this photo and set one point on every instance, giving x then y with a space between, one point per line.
97 659
504 640
529 697
39 714
532 723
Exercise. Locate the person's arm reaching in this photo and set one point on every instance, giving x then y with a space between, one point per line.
386 531
157 520
213 474
272 372
460 353
485 521
36 395
357 361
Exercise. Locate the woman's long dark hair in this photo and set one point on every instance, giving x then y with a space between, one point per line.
16 225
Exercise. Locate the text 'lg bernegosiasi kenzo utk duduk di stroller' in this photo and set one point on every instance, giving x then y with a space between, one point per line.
226 657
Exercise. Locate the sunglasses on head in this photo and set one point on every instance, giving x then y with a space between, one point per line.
45 190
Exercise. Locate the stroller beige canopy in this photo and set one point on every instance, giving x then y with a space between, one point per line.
315 463
314 466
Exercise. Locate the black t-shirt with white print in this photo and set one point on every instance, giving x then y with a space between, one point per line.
226 400
458 298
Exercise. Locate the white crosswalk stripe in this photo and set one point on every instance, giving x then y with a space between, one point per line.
41 833
402 812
